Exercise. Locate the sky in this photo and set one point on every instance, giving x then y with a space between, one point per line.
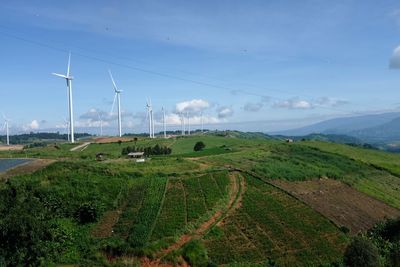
252 65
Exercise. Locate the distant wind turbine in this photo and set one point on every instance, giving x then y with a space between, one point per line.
68 78
164 123
101 124
6 127
202 123
118 97
188 121
183 123
149 115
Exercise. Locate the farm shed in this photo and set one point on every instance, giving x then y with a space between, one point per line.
136 155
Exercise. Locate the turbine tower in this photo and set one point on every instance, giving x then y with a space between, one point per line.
183 123
68 78
202 123
6 127
101 124
164 123
188 121
118 97
149 115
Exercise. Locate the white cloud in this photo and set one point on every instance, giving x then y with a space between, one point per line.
176 119
293 103
395 59
253 107
224 112
297 103
33 125
195 105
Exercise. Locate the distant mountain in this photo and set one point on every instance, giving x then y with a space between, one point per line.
348 125
386 132
335 138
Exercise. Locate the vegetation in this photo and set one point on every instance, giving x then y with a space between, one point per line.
199 146
155 150
81 211
361 252
38 137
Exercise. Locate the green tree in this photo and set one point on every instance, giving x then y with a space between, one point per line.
361 253
199 146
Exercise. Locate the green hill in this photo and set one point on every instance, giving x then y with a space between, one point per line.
243 200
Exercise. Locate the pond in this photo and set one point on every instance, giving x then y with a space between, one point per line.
6 164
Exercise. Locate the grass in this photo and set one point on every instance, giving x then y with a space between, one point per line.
386 160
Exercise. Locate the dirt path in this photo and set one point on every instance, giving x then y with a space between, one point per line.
80 147
235 195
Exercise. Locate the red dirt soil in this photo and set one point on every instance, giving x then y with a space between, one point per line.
340 203
104 140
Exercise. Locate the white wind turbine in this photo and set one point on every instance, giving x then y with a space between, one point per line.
7 128
118 97
101 124
164 123
202 123
188 121
183 123
68 78
149 115
66 125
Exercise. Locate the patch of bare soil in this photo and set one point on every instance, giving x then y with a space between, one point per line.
11 148
104 140
105 227
235 194
340 203
26 168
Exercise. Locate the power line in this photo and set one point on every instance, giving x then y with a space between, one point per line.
160 74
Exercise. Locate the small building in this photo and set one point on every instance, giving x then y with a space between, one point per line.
289 140
136 155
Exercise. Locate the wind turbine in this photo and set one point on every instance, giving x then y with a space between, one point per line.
66 123
164 123
202 123
188 121
149 116
101 124
6 127
118 97
68 78
183 123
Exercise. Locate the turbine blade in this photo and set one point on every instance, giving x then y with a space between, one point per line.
112 79
59 75
69 63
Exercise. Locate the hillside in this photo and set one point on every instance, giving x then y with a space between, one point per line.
246 199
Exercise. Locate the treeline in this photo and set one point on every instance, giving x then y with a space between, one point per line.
34 137
155 150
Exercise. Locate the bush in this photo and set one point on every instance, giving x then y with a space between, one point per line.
199 146
361 252
86 213
195 253
394 255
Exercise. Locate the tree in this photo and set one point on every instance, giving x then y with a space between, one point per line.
361 252
199 146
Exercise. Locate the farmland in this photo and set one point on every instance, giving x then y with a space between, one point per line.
247 200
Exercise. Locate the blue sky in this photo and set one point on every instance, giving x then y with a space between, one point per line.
250 65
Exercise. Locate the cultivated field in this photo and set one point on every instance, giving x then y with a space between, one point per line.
340 203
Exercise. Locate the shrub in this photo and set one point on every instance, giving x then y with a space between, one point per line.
361 252
86 213
195 253
199 146
394 255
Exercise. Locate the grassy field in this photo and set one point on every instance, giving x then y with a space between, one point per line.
80 209
388 161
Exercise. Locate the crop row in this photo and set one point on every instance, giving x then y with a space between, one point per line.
173 214
271 224
147 215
